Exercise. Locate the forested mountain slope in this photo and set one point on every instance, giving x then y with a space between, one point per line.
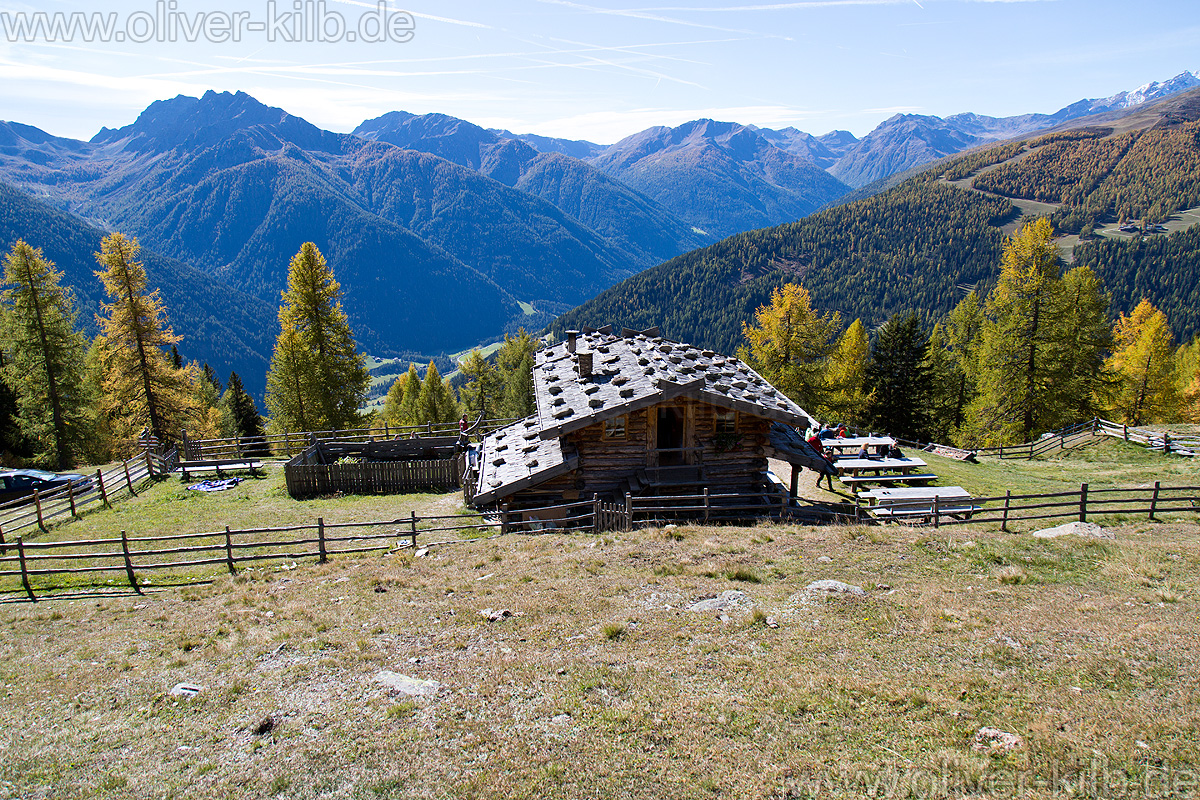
920 244
642 231
220 326
234 187
909 248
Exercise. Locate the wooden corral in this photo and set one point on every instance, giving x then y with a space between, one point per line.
388 467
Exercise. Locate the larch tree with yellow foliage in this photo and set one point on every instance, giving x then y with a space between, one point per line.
317 379
141 386
789 343
1144 363
846 396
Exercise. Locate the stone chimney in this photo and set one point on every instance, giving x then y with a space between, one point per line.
572 336
585 363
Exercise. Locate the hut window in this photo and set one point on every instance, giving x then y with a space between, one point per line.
614 428
725 421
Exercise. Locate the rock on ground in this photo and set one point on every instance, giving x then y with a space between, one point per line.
1085 529
413 687
994 740
834 587
730 598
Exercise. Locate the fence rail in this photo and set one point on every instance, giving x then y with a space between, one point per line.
31 562
287 444
124 480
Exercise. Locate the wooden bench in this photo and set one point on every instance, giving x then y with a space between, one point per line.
854 481
913 502
220 464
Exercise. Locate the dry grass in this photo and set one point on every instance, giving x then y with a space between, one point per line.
602 684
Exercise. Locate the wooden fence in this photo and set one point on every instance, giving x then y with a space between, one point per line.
124 480
287 444
388 467
31 567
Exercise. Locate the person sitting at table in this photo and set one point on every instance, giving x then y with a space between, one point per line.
894 452
841 430
828 432
882 450
862 451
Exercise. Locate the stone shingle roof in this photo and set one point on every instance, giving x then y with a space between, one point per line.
517 457
637 371
627 373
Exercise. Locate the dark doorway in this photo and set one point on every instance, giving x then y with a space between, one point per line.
670 436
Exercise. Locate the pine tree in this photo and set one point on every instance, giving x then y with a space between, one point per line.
141 386
899 378
515 361
845 377
435 403
207 397
484 389
410 405
317 379
1016 367
962 338
394 399
789 342
1146 389
13 444
247 422
945 381
1084 340
44 366
1187 369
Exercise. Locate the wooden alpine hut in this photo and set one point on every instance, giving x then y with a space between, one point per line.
640 414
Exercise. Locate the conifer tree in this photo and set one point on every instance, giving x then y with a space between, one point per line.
394 399
1016 364
435 403
1143 361
789 342
207 397
1084 340
961 336
141 386
13 443
1187 369
484 389
944 383
44 364
242 410
845 377
410 405
317 379
515 360
899 378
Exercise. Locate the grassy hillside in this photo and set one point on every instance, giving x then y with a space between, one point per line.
603 683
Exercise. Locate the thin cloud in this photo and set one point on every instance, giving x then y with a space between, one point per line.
640 14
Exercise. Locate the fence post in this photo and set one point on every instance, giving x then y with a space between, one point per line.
412 522
503 518
24 569
628 511
595 513
321 540
936 516
229 552
1083 502
1007 498
237 443
1001 451
3 546
37 501
1125 432
71 497
1153 501
129 480
129 563
149 463
103 491
706 501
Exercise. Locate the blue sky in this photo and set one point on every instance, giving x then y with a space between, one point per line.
602 70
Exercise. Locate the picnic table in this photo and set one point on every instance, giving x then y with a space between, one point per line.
853 443
219 464
856 471
908 501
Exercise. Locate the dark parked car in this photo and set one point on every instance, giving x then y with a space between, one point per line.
18 483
